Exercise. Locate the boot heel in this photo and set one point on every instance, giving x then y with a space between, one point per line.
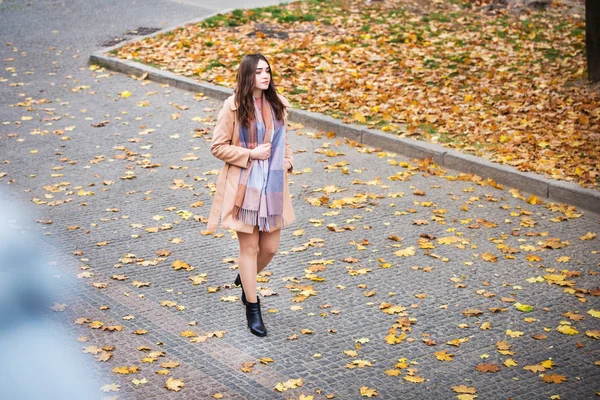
238 282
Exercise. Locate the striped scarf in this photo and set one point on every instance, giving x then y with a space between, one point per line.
259 197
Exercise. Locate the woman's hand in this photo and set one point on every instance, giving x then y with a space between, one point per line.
261 152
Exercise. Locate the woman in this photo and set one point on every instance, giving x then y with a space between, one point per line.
252 190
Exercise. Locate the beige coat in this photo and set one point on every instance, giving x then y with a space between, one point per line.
226 147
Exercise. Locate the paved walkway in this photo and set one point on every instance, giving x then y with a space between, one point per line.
383 251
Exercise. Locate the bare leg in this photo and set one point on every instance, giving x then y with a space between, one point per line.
247 262
268 243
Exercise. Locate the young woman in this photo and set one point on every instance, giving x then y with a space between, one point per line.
252 190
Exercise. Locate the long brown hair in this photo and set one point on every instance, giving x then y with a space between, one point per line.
246 76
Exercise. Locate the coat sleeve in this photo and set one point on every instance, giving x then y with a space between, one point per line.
221 146
288 161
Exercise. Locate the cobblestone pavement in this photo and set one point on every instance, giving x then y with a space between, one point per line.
389 262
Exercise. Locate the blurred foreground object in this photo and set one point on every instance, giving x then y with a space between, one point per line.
38 360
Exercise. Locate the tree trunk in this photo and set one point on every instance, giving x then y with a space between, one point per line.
592 38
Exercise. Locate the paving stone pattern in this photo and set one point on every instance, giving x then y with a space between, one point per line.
169 166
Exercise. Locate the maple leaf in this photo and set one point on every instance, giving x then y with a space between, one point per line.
489 257
485 326
509 362
554 378
174 384
393 339
366 391
594 313
100 285
180 264
169 364
248 366
535 368
217 334
358 116
487 367
112 387
92 349
443 356
267 292
409 251
567 330
457 342
199 339
472 312
587 236
125 370
502 345
96 324
414 378
514 334
359 364
289 384
523 307
573 316
393 372
595 334
104 356
465 396
464 389
112 328
533 258
420 222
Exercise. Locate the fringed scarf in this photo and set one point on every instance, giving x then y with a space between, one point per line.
259 197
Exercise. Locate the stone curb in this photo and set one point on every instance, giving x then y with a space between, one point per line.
560 191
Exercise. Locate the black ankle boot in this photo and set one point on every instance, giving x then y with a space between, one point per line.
238 282
255 322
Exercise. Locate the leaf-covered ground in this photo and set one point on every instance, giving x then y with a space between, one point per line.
398 279
500 86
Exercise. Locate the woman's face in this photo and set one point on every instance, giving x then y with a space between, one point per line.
263 75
